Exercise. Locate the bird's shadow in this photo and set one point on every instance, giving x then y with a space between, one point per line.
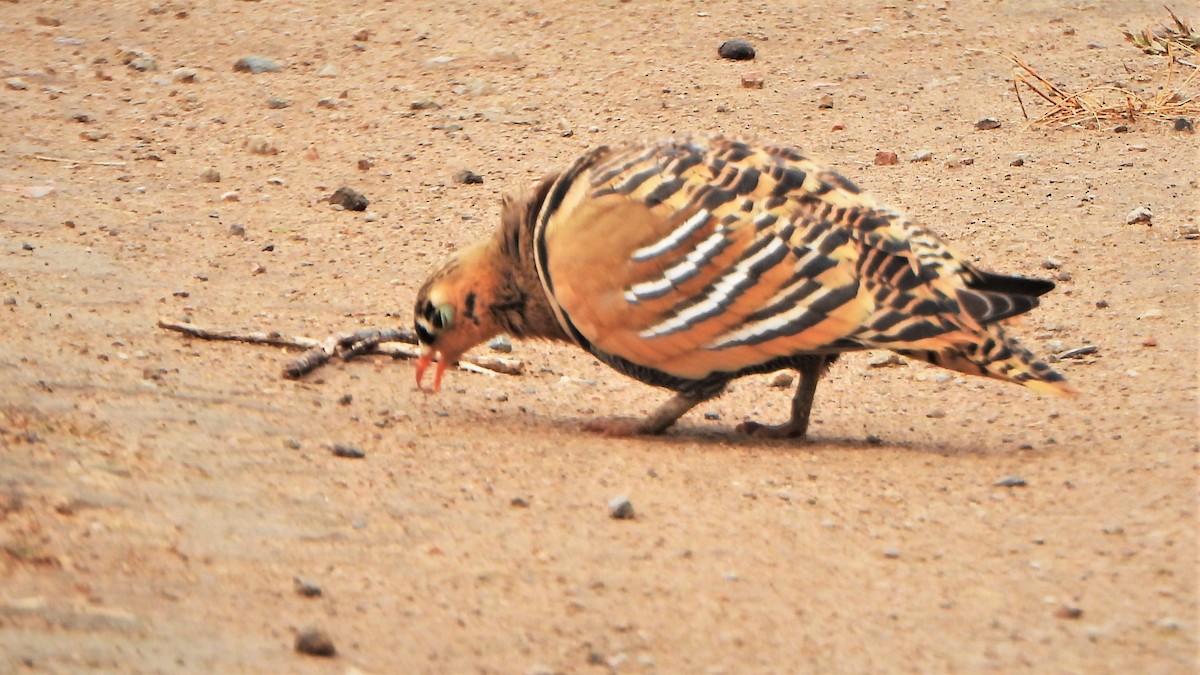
724 439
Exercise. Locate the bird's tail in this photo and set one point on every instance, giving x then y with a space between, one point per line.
993 353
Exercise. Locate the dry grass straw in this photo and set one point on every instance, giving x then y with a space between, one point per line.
1176 89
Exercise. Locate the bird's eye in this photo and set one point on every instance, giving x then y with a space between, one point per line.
442 317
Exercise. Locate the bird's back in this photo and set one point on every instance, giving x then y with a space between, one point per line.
705 257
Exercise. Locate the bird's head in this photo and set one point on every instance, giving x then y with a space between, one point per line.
452 313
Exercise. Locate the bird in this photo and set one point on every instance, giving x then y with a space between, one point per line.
687 263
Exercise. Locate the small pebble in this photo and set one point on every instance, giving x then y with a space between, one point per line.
1121 129
885 360
256 64
237 230
921 156
259 145
365 164
519 502
306 588
1051 263
987 123
885 158
825 102
347 451
143 63
782 380
752 80
1101 304
620 508
1079 351
1184 124
1019 161
16 84
186 75
276 103
1189 231
891 553
501 344
936 413
210 175
1141 214
349 199
467 177
1150 341
736 50
1068 612
712 416
292 444
329 70
314 642
1010 481
424 104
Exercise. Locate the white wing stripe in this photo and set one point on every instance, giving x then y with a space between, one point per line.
677 237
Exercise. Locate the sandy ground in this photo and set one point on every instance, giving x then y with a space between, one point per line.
159 495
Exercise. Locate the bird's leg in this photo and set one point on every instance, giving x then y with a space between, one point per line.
811 369
656 423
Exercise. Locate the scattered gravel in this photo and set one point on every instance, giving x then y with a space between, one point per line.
1141 214
501 344
347 451
1068 612
886 158
256 64
1078 352
736 50
306 588
467 177
884 360
260 145
349 199
620 508
315 642
752 80
782 380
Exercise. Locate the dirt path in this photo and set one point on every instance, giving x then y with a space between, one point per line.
159 495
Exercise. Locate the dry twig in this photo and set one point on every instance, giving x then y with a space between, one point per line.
66 160
1086 107
390 342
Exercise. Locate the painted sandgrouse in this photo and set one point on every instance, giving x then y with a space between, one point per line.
687 264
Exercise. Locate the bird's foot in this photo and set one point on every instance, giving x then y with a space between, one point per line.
618 426
788 430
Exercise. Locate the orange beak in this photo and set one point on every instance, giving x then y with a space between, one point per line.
423 364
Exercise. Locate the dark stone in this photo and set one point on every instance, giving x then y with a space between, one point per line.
736 50
351 200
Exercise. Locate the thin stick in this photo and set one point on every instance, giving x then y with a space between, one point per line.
44 158
1017 91
389 342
